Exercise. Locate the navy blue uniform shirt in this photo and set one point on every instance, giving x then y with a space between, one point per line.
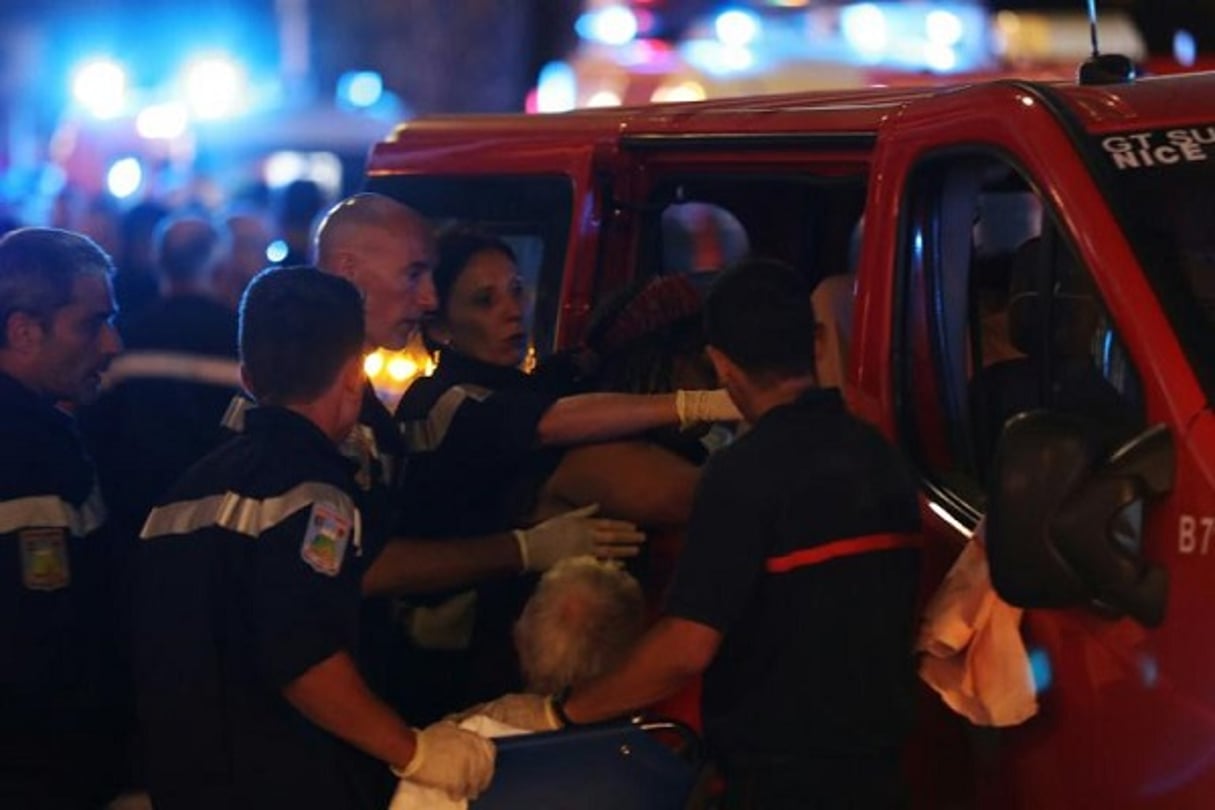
249 576
56 610
475 465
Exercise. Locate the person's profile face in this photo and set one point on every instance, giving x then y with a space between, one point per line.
483 316
395 275
79 342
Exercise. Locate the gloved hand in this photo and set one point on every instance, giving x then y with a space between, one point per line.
694 407
530 712
574 534
451 759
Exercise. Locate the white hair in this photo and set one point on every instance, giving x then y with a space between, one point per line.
583 618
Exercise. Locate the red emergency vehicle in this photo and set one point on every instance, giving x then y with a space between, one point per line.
993 248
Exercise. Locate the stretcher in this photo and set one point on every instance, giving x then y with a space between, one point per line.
641 765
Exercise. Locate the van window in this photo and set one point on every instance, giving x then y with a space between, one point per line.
699 223
532 214
997 316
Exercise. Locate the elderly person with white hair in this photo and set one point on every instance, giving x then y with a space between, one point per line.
580 622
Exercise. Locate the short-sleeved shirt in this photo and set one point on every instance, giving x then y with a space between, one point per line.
815 658
249 575
474 464
475 468
55 609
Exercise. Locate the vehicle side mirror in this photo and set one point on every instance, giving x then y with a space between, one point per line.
1065 525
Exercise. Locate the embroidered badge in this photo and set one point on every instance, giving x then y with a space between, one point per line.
44 559
326 539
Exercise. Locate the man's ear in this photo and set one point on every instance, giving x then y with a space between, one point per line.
345 265
353 375
23 332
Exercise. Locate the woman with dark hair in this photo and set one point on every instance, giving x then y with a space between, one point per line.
482 439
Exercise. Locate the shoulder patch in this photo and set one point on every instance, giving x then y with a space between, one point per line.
44 559
326 539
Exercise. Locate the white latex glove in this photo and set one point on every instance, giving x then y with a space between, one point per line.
694 407
575 534
457 762
531 712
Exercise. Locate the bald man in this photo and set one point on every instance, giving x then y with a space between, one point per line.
387 250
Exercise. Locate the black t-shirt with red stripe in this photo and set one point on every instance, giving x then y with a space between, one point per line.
800 551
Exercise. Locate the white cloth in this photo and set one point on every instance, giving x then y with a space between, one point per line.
973 653
412 796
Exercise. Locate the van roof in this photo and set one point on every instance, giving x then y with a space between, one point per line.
1143 104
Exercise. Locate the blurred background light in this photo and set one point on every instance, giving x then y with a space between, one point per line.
940 58
604 98
360 88
737 28
402 368
373 363
100 86
864 27
556 90
124 177
215 86
611 25
943 27
683 91
162 121
277 251
283 168
1185 49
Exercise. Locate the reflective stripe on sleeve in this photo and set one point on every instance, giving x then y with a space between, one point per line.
38 511
182 366
424 435
847 547
248 516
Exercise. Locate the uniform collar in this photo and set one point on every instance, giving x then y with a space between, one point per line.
464 369
817 400
20 400
300 431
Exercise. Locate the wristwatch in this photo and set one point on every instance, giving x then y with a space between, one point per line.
557 702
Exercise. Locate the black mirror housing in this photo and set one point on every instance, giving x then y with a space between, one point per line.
1064 525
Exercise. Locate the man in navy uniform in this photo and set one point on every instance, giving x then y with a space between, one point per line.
795 591
58 747
249 587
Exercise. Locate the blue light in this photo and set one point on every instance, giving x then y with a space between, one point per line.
215 86
613 25
361 88
276 251
1040 669
557 88
865 29
124 177
100 86
1185 49
737 28
162 121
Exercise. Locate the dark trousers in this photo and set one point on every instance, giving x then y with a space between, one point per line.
871 782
